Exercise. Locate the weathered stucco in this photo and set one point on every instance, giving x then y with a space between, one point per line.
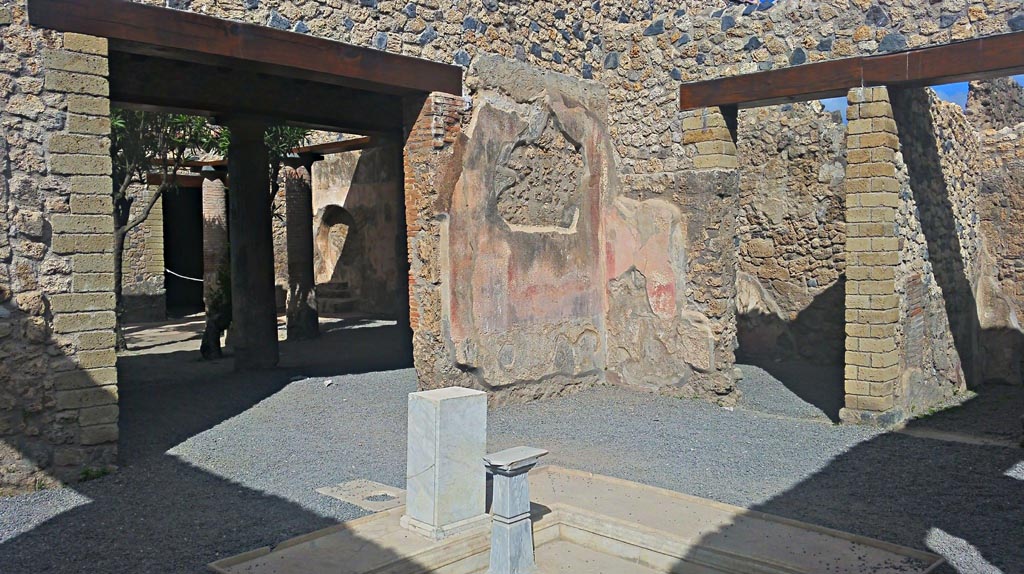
523 300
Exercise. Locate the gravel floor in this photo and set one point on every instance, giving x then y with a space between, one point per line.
224 466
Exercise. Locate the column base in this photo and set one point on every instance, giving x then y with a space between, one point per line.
887 418
477 523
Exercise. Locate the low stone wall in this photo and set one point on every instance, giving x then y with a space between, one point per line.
792 234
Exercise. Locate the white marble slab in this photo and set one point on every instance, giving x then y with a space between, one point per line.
445 477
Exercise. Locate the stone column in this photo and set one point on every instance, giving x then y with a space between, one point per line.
511 527
445 486
872 257
303 320
254 309
215 229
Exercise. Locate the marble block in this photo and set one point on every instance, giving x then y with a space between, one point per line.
445 482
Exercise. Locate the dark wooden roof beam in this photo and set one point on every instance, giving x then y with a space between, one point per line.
982 58
144 82
187 36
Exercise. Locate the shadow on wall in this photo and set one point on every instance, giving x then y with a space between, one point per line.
363 243
160 514
975 346
803 353
961 501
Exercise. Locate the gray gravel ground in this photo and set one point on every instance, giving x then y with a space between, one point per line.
229 466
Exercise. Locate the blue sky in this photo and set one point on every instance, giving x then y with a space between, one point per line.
956 93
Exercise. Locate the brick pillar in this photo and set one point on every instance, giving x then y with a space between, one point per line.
303 320
872 256
215 230
253 302
85 382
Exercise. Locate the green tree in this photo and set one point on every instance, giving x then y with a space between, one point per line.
139 142
142 142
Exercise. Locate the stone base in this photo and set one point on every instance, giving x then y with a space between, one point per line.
584 524
888 418
478 523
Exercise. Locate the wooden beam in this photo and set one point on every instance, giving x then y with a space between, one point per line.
144 82
179 35
181 180
981 58
353 144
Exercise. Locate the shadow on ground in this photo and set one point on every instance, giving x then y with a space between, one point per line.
961 500
159 514
806 354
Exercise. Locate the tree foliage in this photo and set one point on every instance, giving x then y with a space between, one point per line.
143 142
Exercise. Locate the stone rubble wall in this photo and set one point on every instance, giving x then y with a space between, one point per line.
1001 291
792 234
142 273
995 104
640 51
938 172
58 384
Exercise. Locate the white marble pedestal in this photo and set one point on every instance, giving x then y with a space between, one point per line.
511 527
445 486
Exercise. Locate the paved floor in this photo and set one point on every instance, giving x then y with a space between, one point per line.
215 463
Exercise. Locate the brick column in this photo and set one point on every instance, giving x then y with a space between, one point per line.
303 320
253 302
215 229
83 318
872 256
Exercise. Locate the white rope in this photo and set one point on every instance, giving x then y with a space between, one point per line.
182 276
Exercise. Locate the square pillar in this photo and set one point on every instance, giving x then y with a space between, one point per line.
872 256
445 482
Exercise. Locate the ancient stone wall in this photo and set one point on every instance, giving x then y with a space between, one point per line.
142 274
792 233
58 394
1000 293
364 245
639 52
995 104
938 170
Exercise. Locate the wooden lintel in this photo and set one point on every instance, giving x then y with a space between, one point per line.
144 82
981 58
181 180
181 35
353 144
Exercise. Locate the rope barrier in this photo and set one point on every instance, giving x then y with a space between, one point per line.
182 276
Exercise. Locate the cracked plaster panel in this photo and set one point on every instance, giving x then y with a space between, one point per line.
525 307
